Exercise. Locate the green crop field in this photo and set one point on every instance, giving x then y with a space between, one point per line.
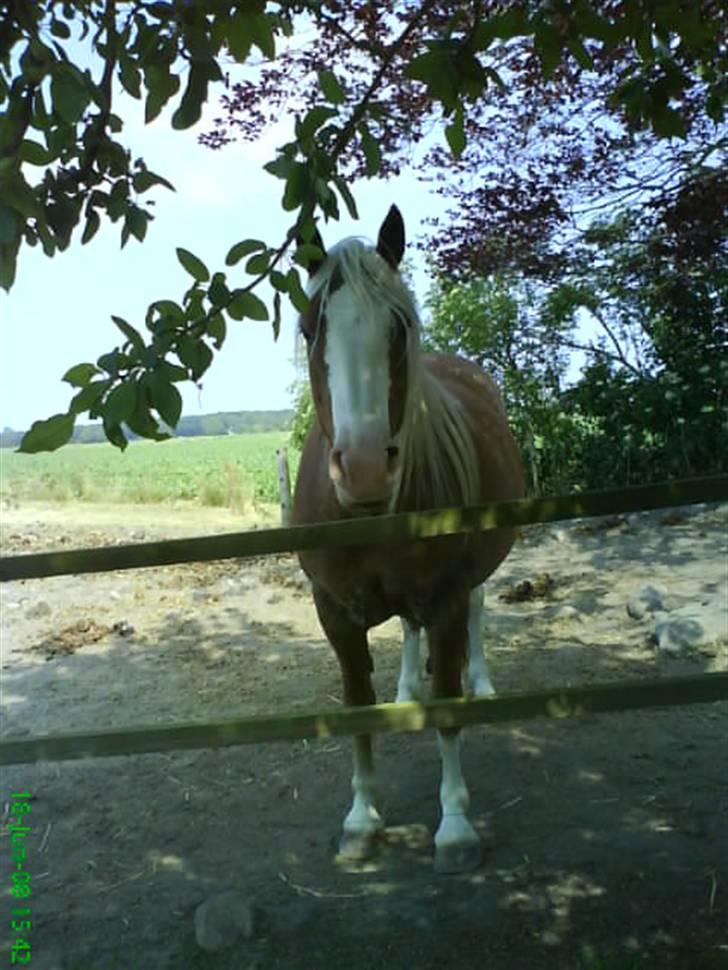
228 471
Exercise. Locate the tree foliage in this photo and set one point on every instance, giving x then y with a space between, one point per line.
371 80
645 300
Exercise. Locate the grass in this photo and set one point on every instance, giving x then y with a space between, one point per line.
232 471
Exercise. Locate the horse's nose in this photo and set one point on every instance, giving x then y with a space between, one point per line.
364 473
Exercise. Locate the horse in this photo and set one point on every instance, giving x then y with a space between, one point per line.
397 429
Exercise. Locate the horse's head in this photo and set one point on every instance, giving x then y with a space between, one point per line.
360 330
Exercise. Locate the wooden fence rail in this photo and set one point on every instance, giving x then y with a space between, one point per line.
365 531
557 702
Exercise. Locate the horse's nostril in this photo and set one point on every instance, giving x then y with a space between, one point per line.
392 452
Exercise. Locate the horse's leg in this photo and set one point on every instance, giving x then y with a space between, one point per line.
457 845
479 680
363 822
409 687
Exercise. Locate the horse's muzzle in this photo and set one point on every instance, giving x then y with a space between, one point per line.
364 476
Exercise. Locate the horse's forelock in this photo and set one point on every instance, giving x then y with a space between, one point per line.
355 264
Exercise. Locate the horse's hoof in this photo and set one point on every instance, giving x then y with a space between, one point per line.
357 846
458 857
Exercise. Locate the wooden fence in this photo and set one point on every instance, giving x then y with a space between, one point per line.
559 702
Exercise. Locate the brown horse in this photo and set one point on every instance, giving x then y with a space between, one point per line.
399 430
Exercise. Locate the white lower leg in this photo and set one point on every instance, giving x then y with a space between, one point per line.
363 818
454 829
409 687
479 680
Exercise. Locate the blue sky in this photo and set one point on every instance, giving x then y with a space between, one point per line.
59 310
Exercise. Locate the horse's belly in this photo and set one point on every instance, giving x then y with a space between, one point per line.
376 582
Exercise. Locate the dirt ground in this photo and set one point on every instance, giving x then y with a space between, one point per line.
606 838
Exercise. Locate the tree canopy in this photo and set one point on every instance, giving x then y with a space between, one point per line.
372 83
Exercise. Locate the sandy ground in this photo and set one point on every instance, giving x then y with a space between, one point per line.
606 838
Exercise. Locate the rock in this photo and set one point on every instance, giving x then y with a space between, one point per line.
692 626
648 599
223 919
123 628
38 610
566 612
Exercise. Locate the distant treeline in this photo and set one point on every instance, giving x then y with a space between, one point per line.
224 422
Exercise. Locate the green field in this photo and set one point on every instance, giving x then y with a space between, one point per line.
230 471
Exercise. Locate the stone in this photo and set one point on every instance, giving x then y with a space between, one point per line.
566 612
647 599
691 626
224 919
38 610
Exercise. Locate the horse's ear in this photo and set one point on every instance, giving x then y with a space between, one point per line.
390 243
314 264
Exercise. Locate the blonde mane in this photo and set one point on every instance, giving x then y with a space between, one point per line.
439 460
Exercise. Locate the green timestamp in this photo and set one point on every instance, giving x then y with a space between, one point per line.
20 916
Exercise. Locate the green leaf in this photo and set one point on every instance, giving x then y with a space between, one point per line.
346 196
331 88
164 315
239 36
92 224
145 179
247 304
547 41
278 280
296 292
258 264
143 423
136 222
372 151
8 224
217 330
59 28
667 122
195 95
171 372
34 153
114 433
297 185
48 435
438 69
581 54
69 93
241 249
165 398
510 23
121 402
194 266
263 37
276 315
308 253
455 134
194 353
80 374
129 75
161 85
8 263
132 335
315 118
88 396
218 293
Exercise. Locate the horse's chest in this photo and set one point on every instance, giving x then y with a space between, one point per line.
376 583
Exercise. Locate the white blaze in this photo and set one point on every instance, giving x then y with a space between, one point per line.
357 358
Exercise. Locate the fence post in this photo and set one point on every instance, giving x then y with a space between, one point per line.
284 486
